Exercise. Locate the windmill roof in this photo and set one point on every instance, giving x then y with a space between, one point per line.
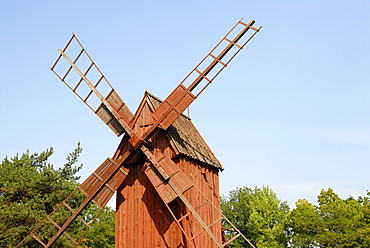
187 139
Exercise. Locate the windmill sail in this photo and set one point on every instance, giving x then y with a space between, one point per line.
86 80
204 73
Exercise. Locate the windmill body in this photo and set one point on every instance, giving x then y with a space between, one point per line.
164 173
142 218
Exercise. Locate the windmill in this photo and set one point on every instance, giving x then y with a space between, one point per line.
164 173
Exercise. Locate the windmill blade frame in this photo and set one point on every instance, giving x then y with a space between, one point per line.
183 95
101 105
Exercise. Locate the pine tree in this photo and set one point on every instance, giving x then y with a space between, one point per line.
30 189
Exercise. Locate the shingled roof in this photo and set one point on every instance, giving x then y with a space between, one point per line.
187 139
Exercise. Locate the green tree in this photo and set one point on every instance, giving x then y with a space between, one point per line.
30 189
259 215
333 223
305 223
102 233
363 229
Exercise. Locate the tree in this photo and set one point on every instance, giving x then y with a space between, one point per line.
30 189
259 215
333 223
363 230
305 223
102 233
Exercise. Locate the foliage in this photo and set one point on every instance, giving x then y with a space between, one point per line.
335 222
101 235
259 215
304 221
31 188
267 221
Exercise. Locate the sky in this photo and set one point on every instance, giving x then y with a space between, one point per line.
291 111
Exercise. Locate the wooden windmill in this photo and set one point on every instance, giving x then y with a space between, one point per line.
164 173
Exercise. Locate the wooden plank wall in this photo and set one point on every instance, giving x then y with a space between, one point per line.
142 219
206 180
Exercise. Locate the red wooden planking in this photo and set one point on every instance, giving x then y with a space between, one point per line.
153 218
170 117
169 103
178 105
160 112
203 240
176 95
101 173
107 192
164 239
176 175
94 181
163 189
185 102
119 220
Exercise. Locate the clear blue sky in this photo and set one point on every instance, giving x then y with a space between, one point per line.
292 111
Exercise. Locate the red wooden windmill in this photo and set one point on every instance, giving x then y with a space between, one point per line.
164 173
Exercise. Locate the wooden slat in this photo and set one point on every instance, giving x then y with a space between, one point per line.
70 238
79 217
231 240
163 189
65 233
235 44
220 61
189 213
95 180
171 170
108 118
38 240
119 105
